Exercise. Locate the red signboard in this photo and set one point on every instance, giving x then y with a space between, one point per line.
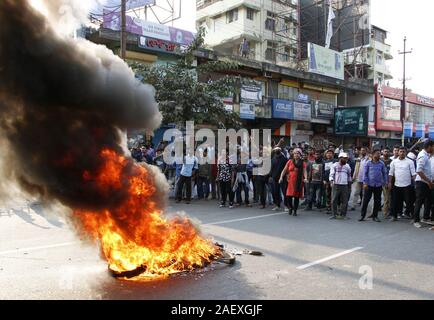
381 123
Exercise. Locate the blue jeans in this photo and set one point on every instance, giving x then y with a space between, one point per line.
243 187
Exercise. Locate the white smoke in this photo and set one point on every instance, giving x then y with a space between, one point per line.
66 16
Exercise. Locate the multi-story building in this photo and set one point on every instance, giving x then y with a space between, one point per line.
370 61
270 28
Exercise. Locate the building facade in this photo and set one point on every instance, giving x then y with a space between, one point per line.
270 29
370 61
418 119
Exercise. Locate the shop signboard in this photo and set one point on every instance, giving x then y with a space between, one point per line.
351 121
247 111
283 109
303 98
112 20
302 111
322 110
391 109
251 94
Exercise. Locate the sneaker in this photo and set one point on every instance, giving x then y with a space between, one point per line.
276 209
333 218
222 206
361 219
427 221
376 219
286 210
394 219
417 225
231 206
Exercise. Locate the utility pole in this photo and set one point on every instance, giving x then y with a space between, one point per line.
123 29
404 89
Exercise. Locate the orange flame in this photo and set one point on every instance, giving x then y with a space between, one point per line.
135 234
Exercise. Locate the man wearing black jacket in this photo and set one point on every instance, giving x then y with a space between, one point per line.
278 163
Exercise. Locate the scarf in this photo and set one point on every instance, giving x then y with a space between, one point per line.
299 165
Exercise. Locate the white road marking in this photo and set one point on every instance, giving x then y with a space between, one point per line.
59 245
66 244
244 219
337 255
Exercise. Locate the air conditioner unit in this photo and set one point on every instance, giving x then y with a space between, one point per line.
268 74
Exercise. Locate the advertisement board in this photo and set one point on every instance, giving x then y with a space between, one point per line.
251 94
247 111
283 109
302 111
325 62
322 110
351 121
390 109
112 20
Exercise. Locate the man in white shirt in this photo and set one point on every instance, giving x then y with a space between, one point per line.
424 184
401 175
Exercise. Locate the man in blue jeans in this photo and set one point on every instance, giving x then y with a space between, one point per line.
374 179
188 168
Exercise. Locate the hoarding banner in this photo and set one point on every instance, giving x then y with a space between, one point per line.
391 109
112 20
251 94
408 129
302 111
283 109
247 111
351 121
420 130
325 61
322 110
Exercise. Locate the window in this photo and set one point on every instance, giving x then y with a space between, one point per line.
270 23
379 58
270 52
287 93
232 15
250 14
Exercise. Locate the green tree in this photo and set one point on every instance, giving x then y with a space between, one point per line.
182 97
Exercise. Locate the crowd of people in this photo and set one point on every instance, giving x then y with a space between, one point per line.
332 181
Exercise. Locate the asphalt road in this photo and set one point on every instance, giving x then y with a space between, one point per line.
308 257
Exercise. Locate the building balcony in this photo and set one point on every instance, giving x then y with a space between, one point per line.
386 48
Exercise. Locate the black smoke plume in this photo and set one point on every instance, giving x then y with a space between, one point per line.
61 102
